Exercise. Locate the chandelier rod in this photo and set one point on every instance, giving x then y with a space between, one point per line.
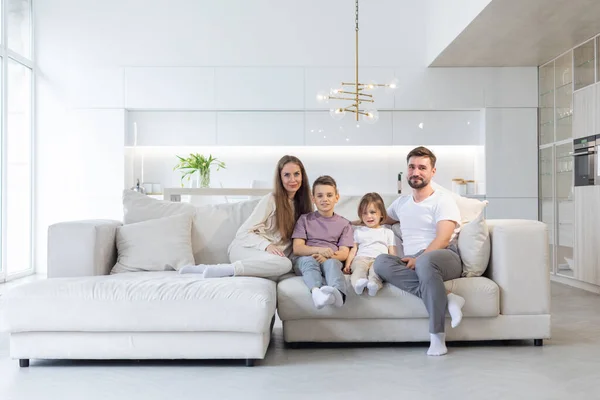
356 58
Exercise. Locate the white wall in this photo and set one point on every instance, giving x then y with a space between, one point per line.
238 61
446 19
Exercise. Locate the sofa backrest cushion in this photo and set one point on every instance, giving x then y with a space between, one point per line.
213 226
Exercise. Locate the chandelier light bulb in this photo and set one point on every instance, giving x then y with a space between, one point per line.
371 116
371 85
391 85
337 113
322 97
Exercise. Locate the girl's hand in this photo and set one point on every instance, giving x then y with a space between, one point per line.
274 250
347 270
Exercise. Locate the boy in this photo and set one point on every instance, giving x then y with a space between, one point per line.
322 242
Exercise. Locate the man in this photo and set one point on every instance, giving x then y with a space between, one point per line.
429 221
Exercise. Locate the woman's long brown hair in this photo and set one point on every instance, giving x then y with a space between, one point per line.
285 217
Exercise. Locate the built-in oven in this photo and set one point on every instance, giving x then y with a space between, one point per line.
585 161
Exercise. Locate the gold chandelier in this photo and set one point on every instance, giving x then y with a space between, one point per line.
355 91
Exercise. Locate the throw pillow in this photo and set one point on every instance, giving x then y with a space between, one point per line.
474 247
469 208
155 245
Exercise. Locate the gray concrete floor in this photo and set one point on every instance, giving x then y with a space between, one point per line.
568 366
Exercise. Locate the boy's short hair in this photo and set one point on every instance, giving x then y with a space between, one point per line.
376 200
324 180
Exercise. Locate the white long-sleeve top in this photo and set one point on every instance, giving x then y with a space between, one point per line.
260 229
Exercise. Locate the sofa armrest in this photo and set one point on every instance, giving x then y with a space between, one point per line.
519 265
82 248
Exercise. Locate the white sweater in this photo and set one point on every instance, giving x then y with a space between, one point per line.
260 230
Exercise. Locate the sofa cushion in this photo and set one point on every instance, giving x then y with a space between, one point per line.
294 301
160 244
474 246
141 302
213 227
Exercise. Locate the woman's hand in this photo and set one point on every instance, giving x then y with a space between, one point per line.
274 250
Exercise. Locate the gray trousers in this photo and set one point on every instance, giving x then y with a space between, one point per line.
312 273
425 281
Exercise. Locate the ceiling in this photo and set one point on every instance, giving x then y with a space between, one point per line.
522 33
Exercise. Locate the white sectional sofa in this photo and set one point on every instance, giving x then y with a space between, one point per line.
84 312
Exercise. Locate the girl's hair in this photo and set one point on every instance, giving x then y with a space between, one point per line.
372 198
285 216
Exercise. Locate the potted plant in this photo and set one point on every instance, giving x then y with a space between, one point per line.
200 164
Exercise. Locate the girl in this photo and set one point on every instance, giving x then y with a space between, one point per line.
370 240
263 243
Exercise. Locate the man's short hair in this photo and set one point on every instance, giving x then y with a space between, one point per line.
324 180
422 151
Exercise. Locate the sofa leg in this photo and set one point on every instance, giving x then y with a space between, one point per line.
250 362
24 362
538 342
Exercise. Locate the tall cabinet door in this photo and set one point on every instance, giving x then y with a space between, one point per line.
587 221
547 197
584 112
563 169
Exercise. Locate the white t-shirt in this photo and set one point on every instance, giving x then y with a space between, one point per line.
373 241
418 221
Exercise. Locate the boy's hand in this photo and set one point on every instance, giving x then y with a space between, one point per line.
326 252
320 259
347 270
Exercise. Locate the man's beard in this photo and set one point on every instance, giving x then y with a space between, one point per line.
419 183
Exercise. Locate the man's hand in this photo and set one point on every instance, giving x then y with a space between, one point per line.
410 262
274 250
320 259
325 252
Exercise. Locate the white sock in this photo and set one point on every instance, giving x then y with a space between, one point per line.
455 305
438 344
373 288
361 284
193 269
219 271
321 299
339 299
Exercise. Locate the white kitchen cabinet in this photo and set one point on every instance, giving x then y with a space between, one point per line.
510 148
169 88
172 128
259 88
415 128
260 128
322 130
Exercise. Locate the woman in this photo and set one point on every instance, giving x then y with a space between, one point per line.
263 243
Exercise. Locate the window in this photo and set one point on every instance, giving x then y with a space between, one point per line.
17 140
18 24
